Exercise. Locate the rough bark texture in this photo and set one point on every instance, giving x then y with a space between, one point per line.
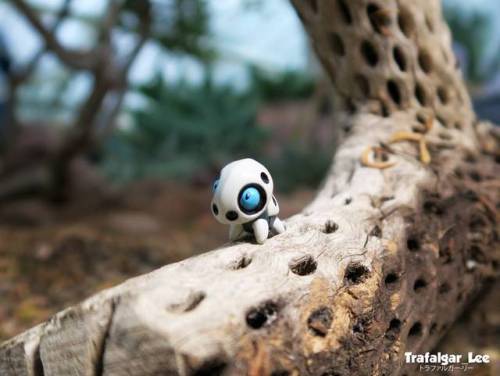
383 261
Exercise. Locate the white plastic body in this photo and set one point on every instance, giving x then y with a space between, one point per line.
234 177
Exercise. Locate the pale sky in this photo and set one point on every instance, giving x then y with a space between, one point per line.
271 37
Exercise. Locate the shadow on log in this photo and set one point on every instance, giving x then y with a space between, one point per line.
399 239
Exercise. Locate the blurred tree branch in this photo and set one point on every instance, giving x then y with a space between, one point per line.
74 58
18 76
176 25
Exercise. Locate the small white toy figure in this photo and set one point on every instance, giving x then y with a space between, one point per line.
243 199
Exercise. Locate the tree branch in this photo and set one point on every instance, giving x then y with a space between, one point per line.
85 60
381 262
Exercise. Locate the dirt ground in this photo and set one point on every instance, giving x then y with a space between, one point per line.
51 258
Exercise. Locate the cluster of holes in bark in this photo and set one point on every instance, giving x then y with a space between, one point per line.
303 265
355 273
261 315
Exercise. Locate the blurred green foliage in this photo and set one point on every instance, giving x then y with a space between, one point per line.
176 25
473 32
187 129
275 87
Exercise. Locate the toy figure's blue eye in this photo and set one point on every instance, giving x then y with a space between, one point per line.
215 185
250 198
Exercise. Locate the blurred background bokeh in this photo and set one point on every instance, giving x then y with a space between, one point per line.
116 115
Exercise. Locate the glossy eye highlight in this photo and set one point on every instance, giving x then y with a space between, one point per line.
215 185
250 199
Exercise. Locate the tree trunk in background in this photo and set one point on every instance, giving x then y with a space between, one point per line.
381 262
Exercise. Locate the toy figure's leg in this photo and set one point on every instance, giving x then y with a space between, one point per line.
277 225
235 232
260 230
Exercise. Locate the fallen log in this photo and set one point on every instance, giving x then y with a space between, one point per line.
402 235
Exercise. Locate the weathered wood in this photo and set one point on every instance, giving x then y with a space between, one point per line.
381 262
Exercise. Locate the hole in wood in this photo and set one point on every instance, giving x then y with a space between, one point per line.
470 158
355 273
474 175
337 44
344 11
380 19
458 126
442 95
391 279
303 265
425 61
420 95
264 314
433 207
330 227
399 58
413 244
415 330
393 90
376 231
405 22
241 263
419 285
369 53
210 367
319 321
393 329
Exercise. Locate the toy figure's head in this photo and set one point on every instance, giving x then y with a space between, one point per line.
242 192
